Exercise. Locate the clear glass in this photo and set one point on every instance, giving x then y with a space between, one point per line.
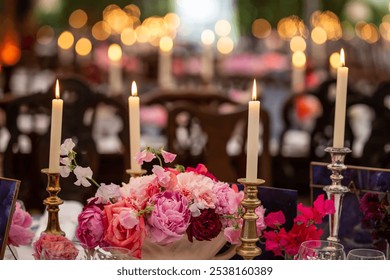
365 254
113 253
321 250
65 250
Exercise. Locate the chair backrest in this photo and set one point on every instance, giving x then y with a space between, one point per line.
27 151
216 139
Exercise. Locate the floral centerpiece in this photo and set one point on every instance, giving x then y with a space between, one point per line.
165 207
286 243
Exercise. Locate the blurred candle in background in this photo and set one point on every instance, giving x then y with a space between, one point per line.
298 72
165 63
207 61
134 129
115 81
341 102
55 133
252 152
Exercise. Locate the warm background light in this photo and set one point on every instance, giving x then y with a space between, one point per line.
9 48
222 27
208 37
128 36
78 19
225 45
261 28
334 60
45 35
299 59
297 43
65 40
83 47
166 44
142 33
101 31
318 35
114 52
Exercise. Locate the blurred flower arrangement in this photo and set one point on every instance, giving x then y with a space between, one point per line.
286 243
376 214
166 206
54 247
20 232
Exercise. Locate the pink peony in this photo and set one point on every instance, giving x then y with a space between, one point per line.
168 157
117 231
169 219
90 225
275 219
228 200
54 247
20 232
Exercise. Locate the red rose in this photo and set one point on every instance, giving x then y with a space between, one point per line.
204 227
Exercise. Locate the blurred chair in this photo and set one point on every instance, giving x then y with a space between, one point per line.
27 151
216 139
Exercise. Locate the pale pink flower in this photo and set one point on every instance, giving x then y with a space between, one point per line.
260 224
108 193
128 219
67 147
232 234
205 195
165 178
65 168
228 200
140 189
82 174
168 157
20 232
144 156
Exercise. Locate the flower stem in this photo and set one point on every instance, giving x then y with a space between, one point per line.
93 181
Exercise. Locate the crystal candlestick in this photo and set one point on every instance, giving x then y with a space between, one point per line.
248 248
336 191
52 202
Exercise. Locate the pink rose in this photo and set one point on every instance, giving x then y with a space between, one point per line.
170 218
20 232
90 225
117 230
54 247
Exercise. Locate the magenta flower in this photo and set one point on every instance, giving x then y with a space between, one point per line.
275 219
90 225
202 170
169 219
168 157
20 232
144 156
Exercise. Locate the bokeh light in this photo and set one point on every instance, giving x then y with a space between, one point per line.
222 28
261 28
225 45
45 35
318 35
101 31
166 44
128 36
114 52
65 40
299 59
334 60
78 19
297 43
208 37
83 47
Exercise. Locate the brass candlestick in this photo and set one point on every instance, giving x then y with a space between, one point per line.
135 173
52 202
248 248
336 191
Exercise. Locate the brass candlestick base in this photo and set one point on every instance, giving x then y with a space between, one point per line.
336 191
52 202
135 173
248 248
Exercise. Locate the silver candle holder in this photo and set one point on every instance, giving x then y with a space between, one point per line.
336 190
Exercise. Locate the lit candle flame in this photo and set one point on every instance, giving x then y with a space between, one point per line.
134 91
254 90
57 89
342 58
